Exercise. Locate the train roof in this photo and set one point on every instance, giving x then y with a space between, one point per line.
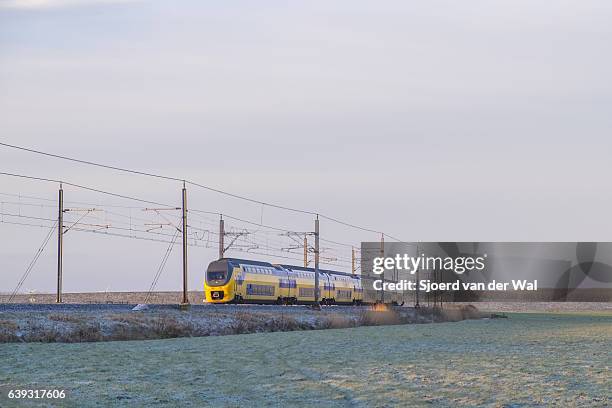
248 262
301 268
277 266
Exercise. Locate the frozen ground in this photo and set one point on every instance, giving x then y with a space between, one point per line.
527 360
74 323
538 307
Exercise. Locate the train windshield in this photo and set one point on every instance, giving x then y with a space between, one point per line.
217 273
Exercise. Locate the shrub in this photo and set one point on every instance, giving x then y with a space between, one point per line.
167 327
374 318
7 331
68 318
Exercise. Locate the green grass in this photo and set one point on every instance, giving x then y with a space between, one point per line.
524 361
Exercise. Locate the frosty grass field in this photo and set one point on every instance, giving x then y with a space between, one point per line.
526 360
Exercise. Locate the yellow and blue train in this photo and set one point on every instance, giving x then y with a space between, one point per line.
231 280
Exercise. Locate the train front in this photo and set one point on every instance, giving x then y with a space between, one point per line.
219 282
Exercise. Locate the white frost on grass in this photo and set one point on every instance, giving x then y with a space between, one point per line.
100 324
528 360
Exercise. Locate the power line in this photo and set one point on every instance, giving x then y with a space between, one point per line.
101 232
162 265
273 252
216 190
82 187
197 211
105 228
68 201
57 156
105 232
32 262
358 227
267 204
82 227
159 176
98 228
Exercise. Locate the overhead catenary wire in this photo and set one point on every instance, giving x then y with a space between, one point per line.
32 263
162 265
101 232
107 230
190 182
82 187
66 201
123 196
149 174
98 206
276 252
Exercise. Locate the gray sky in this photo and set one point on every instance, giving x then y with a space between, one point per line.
432 121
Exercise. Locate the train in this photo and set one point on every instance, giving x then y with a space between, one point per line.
231 280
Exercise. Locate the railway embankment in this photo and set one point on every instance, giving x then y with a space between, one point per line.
73 323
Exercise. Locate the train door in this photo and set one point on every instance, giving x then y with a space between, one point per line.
287 277
324 278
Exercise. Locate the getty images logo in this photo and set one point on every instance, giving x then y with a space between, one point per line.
405 262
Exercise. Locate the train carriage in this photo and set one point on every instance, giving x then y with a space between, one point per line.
231 280
343 289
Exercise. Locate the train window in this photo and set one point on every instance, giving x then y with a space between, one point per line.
213 275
